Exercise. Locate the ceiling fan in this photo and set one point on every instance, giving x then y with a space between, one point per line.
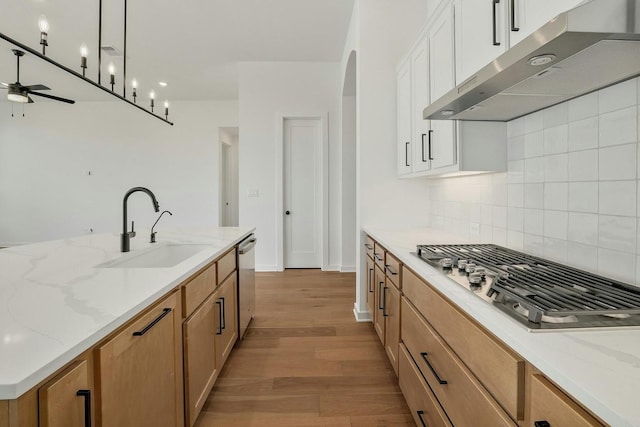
19 93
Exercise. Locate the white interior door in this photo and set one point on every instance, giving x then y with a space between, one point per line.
302 193
225 186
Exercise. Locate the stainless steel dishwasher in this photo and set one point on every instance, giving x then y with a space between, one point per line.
246 283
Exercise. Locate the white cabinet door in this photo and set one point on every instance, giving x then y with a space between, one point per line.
404 119
442 144
420 92
441 61
526 16
481 34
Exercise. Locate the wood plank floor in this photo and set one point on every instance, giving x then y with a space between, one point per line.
306 362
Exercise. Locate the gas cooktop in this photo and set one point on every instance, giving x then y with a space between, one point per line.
538 293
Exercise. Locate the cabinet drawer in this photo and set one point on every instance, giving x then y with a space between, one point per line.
550 404
379 255
421 401
368 245
226 265
500 370
198 289
466 401
393 269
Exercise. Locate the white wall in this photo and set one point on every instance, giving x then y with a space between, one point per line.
268 89
348 208
571 193
45 194
229 136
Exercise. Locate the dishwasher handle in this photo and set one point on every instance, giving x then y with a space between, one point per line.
247 245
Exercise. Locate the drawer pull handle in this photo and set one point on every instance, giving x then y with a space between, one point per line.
153 323
430 138
541 424
371 280
387 267
368 246
513 16
223 316
375 254
380 285
435 374
384 302
421 416
86 394
219 332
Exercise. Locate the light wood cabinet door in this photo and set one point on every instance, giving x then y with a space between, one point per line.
65 401
370 287
378 286
550 406
139 371
404 119
391 296
200 368
226 319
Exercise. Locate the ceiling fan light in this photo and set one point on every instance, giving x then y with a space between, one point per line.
18 97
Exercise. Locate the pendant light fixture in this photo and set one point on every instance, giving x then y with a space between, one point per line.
166 110
112 75
152 97
134 86
84 52
43 24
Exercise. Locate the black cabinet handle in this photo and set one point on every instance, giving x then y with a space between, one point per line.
371 280
421 416
223 316
153 323
368 246
423 159
495 28
388 268
219 332
376 256
513 16
406 153
435 374
86 394
430 140
541 424
384 302
380 285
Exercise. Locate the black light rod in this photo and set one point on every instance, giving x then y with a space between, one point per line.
124 67
99 41
78 75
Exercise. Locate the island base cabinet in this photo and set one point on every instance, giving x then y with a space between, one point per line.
378 302
139 371
227 326
65 401
421 401
370 287
392 324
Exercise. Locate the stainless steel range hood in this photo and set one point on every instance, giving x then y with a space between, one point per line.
591 46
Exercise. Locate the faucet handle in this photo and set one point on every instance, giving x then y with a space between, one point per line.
132 233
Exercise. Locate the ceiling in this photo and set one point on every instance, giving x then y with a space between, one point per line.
193 45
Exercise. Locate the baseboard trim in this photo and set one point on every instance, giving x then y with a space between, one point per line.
361 316
331 268
348 269
267 268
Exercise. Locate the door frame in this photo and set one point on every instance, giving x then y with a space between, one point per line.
224 146
324 184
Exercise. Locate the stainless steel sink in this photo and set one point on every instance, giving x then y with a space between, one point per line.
164 256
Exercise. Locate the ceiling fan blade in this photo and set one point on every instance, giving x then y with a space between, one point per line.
36 87
55 98
30 100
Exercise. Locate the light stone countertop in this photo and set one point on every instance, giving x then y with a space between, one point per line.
599 367
55 303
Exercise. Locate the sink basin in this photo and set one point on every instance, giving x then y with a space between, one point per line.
161 257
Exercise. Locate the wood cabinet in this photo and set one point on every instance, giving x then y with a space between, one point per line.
378 286
391 313
370 291
139 370
65 401
227 326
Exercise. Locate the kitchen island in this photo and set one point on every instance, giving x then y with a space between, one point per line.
58 299
599 368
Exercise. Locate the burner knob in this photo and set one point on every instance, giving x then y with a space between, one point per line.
480 270
462 264
475 279
446 262
471 267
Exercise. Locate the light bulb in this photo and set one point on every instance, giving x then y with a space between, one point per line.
43 24
84 51
134 84
152 95
112 69
166 104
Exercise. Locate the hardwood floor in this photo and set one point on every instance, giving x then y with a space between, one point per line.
306 362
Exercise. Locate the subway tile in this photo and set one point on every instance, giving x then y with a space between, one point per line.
534 170
486 214
555 168
515 219
556 196
583 134
583 196
486 233
617 265
516 195
583 256
475 213
638 271
500 216
515 148
515 172
617 233
618 127
533 122
533 244
516 127
534 221
515 240
500 194
555 249
583 228
618 162
556 139
555 224
556 115
500 236
618 96
617 198
534 144
533 196
583 165
583 107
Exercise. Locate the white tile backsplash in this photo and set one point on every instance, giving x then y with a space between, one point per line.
571 190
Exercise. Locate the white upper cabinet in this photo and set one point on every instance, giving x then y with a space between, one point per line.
441 58
404 119
481 34
526 16
420 92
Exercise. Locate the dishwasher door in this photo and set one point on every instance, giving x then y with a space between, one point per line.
246 283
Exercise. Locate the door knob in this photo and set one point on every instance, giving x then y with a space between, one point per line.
287 213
